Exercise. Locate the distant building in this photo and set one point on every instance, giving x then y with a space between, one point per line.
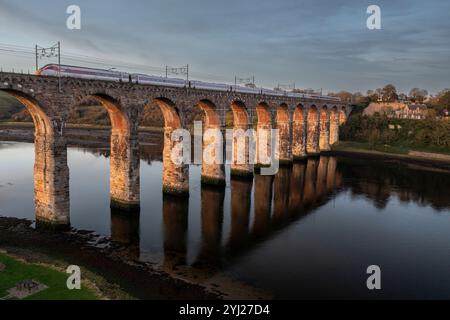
446 114
399 110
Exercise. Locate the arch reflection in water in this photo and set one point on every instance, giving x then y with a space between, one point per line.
125 231
281 195
262 205
309 195
297 189
241 190
175 217
212 201
278 201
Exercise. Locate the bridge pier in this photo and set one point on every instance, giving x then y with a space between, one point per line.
213 167
313 132
51 181
324 140
334 126
299 134
284 153
342 116
241 166
175 176
124 171
263 144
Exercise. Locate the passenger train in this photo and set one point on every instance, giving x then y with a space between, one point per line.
111 75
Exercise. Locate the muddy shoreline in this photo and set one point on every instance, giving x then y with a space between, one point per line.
138 279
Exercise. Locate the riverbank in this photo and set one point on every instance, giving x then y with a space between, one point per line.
108 264
88 135
47 280
115 268
363 150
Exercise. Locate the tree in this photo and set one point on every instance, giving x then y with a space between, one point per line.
441 102
343 95
389 93
418 95
372 95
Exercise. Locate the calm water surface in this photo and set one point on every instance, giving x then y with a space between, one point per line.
309 232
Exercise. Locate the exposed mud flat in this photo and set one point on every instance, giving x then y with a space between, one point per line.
114 268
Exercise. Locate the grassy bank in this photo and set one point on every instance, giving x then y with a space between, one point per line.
346 145
15 271
401 150
365 150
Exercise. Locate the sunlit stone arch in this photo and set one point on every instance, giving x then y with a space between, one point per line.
264 126
299 132
124 161
41 120
312 146
213 168
175 174
283 124
51 173
241 164
342 115
324 136
334 125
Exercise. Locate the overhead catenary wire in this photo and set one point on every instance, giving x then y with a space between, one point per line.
91 61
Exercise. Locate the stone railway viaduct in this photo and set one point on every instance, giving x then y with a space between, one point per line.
306 127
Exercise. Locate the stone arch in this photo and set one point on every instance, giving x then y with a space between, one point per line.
263 134
284 134
263 114
124 160
324 138
175 175
240 114
342 116
312 145
119 119
241 164
51 173
41 120
213 169
211 116
299 133
282 113
171 114
334 125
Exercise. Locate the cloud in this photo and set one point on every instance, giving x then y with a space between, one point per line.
319 44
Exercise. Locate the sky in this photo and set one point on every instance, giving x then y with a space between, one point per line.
312 43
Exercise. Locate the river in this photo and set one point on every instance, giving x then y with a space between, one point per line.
309 232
